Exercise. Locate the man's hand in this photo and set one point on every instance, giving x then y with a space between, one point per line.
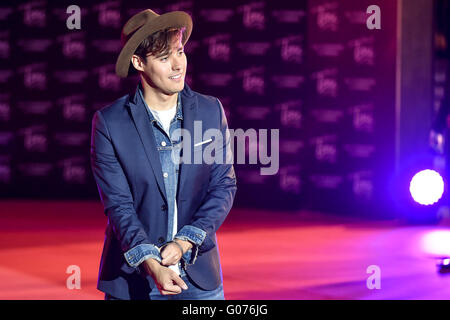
171 253
166 280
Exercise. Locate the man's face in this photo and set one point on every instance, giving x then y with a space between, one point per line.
166 73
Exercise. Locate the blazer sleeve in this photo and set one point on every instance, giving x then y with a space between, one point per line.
116 196
219 199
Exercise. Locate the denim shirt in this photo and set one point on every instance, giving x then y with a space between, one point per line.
166 146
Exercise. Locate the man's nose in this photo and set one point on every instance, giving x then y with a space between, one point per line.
176 63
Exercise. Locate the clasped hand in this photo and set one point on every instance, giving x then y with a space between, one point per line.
166 280
171 254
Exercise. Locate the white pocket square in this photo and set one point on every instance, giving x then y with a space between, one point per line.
203 142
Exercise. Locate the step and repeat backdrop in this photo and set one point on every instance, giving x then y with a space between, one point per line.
350 111
310 85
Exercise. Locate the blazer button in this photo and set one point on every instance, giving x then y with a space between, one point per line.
164 207
161 240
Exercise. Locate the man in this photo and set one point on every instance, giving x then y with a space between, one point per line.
163 213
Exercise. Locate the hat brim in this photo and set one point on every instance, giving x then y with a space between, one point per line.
176 19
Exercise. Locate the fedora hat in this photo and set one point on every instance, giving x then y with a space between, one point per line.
143 24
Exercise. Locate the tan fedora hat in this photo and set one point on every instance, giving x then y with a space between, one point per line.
143 24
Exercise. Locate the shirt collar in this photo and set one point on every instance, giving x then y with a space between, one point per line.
178 114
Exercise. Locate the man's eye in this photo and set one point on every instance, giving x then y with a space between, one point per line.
163 59
180 52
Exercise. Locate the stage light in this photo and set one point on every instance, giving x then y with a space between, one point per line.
444 266
436 243
426 187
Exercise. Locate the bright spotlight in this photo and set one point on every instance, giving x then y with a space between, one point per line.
426 187
437 244
444 265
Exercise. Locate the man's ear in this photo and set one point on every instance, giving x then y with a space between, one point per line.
137 62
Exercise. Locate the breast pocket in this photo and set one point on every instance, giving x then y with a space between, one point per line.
202 152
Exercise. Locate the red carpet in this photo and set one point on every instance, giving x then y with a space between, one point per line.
264 255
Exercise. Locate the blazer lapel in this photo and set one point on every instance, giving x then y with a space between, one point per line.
189 104
145 130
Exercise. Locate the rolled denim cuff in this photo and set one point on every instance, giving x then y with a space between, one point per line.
194 235
135 256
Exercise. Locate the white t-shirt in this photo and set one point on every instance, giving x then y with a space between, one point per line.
165 117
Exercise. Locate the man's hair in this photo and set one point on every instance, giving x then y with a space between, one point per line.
158 44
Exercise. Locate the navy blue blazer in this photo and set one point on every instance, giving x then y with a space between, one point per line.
127 169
